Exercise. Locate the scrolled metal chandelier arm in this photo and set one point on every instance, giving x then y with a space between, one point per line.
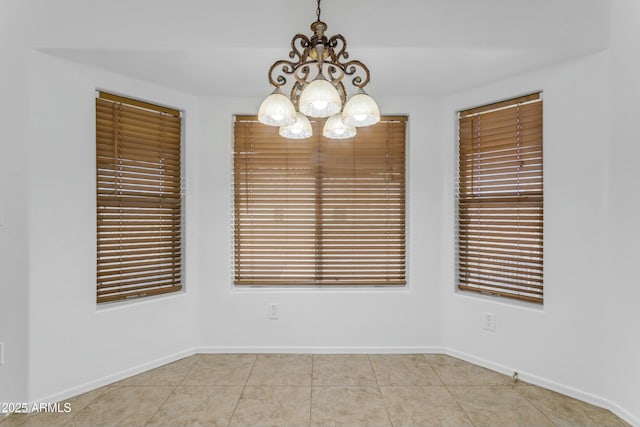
334 64
351 68
279 80
298 55
338 48
302 51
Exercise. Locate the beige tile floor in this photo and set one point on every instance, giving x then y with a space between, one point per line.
321 390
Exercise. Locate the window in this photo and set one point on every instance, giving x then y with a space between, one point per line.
139 202
319 211
500 199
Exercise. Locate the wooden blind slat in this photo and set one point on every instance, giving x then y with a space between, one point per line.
121 294
139 198
501 104
500 203
130 104
319 211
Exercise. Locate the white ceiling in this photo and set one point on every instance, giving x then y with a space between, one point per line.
411 46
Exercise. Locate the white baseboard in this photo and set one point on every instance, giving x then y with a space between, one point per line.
624 414
548 384
109 379
318 350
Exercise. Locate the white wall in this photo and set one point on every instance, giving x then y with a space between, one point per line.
73 344
560 342
322 319
622 370
13 205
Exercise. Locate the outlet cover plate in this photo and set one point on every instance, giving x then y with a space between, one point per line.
273 311
489 322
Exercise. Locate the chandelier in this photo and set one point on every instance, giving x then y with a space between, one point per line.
318 68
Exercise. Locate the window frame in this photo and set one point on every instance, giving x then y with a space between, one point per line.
283 284
164 262
527 284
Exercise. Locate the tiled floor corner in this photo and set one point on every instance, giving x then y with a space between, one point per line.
320 390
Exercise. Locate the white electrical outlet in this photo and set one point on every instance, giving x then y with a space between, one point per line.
273 311
489 322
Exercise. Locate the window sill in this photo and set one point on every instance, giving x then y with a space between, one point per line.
310 289
133 302
499 300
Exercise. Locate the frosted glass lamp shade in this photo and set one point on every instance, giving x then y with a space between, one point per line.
334 128
360 110
277 110
319 99
299 130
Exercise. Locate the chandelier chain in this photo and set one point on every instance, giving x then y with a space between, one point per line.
318 10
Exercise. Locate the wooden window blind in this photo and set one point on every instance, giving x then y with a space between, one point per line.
500 199
139 198
319 211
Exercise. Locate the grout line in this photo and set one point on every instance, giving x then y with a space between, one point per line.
459 405
446 387
373 371
434 370
243 387
533 404
384 403
313 356
75 413
175 387
310 405
193 365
